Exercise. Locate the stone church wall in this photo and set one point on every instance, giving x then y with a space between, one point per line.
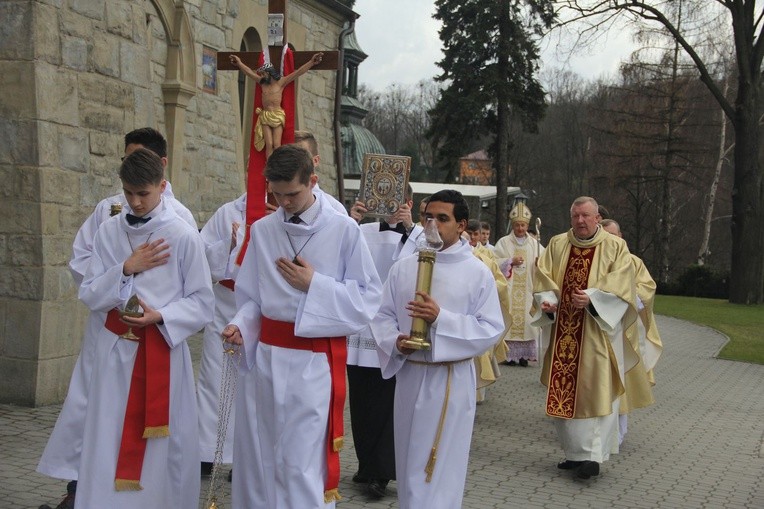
76 76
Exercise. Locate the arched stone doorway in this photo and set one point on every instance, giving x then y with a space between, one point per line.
250 41
179 84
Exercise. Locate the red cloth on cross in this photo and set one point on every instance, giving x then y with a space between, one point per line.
257 188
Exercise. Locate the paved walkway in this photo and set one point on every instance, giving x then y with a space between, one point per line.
700 446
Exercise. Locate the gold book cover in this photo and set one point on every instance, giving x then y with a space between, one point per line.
383 183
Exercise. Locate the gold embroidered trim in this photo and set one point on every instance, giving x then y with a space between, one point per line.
568 337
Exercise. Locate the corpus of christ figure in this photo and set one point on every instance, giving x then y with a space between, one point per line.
271 117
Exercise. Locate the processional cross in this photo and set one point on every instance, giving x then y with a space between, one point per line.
284 60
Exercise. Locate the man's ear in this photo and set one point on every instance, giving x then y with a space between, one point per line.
164 162
313 180
163 185
316 160
462 226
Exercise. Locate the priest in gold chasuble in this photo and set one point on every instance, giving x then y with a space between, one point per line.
584 297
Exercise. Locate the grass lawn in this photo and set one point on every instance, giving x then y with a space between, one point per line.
743 324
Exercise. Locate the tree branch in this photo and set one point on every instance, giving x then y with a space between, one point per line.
651 13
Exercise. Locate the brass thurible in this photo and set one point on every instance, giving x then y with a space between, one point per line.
419 327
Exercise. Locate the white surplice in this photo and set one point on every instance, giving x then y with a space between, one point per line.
181 291
469 323
216 235
61 457
386 248
282 396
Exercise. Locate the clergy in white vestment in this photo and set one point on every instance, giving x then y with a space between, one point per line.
306 282
141 445
223 234
371 395
435 388
585 298
61 457
517 254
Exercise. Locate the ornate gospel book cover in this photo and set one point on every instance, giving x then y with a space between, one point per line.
383 183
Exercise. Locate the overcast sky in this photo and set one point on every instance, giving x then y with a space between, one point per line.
401 39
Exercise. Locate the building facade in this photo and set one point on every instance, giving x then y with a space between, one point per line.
77 75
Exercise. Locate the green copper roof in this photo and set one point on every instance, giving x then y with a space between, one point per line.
351 44
357 141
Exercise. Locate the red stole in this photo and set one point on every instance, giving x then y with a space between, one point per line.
257 187
147 414
227 283
281 334
568 336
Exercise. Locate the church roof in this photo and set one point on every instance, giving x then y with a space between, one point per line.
480 155
352 110
351 45
357 141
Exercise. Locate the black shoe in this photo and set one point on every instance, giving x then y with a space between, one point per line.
377 488
68 501
511 363
206 468
588 469
360 479
504 363
523 362
230 475
569 464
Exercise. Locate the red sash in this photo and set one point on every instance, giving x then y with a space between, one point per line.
281 334
147 414
256 186
228 283
568 337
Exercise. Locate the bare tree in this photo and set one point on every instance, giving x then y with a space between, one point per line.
721 160
399 118
745 17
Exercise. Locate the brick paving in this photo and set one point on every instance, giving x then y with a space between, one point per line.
700 446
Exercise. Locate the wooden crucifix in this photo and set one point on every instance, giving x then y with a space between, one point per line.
278 52
276 79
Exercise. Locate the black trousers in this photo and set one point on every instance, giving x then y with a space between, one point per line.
371 419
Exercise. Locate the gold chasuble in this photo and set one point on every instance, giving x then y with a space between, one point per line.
486 366
646 340
580 366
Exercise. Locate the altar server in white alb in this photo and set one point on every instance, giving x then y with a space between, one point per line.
141 446
435 389
61 457
306 282
223 236
371 395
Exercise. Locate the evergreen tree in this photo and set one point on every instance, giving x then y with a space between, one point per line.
489 70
